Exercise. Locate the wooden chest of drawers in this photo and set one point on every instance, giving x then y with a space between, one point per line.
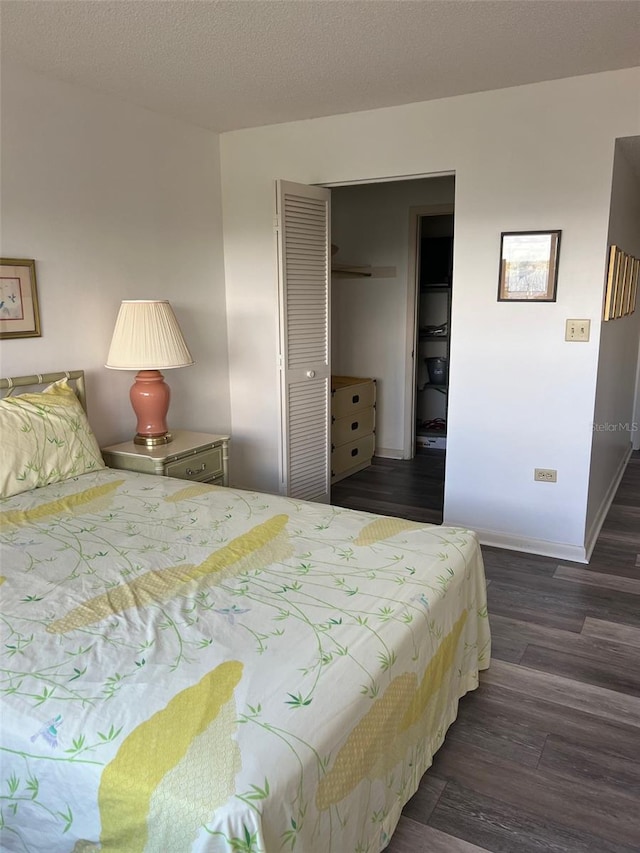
353 425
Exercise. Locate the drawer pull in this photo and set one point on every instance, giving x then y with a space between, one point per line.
354 425
190 472
354 452
355 398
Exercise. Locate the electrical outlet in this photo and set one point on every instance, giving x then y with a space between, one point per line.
545 475
577 330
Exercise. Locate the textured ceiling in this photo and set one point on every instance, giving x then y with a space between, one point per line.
227 64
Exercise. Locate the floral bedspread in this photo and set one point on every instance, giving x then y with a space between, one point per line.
193 668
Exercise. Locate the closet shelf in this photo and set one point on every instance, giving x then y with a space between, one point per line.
350 271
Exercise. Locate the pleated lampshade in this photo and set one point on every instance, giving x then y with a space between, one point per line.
147 337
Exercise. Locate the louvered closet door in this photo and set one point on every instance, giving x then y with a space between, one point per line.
303 224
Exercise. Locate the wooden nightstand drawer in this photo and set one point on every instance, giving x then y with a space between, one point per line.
206 465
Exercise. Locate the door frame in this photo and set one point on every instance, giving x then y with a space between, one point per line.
416 214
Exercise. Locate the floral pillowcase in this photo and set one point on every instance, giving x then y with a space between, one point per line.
44 438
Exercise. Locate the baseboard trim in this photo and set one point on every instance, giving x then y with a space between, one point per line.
542 547
389 453
596 526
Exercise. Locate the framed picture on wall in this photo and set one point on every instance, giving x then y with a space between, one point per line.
621 289
19 315
623 280
634 284
528 266
615 256
631 270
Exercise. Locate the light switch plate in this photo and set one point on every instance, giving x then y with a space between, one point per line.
577 330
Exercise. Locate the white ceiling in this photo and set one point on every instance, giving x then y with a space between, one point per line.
228 64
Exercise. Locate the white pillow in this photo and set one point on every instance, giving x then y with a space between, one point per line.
44 438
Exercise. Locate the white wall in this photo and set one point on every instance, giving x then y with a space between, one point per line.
370 225
532 157
613 420
113 202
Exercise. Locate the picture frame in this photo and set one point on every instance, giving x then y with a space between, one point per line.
618 294
632 278
628 286
608 311
621 285
528 266
621 288
19 312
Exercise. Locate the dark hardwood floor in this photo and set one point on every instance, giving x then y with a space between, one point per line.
410 489
545 755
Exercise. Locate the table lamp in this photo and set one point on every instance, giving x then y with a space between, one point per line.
147 338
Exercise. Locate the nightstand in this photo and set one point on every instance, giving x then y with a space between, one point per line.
190 456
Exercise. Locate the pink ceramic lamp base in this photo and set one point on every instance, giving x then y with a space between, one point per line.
150 397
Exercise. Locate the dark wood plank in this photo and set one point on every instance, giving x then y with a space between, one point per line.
413 837
541 716
387 507
412 488
611 631
605 580
613 558
503 736
505 565
504 828
621 524
564 690
533 605
597 810
603 649
579 762
424 800
620 674
545 601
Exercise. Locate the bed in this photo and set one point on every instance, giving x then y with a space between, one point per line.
187 667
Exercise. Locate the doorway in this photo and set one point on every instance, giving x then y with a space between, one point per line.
434 280
380 250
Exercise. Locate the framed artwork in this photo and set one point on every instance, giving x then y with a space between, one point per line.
633 285
626 298
623 285
620 284
19 315
613 266
621 290
528 266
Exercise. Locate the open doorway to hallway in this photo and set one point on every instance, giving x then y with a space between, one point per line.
391 241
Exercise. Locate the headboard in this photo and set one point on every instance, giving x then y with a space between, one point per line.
76 376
